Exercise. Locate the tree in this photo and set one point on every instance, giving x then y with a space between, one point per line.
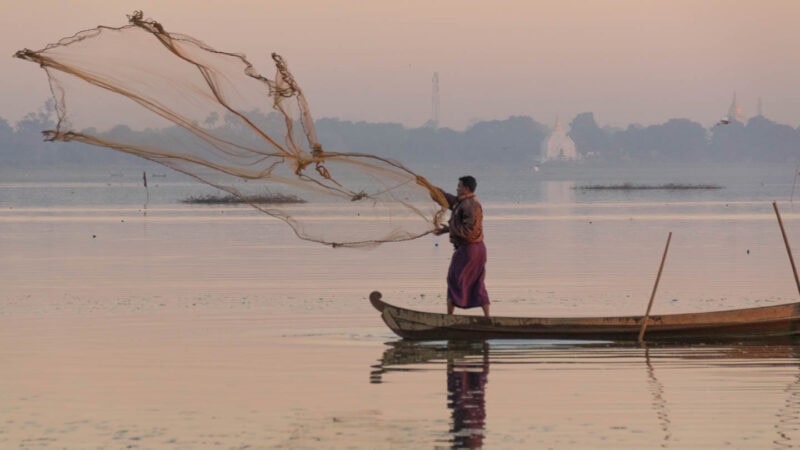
766 140
588 137
8 155
29 142
728 142
676 140
512 141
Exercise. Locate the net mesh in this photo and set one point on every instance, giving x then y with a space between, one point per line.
209 114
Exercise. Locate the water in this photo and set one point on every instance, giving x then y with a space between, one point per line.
164 325
561 395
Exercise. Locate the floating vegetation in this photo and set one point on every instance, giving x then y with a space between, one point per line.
234 200
635 187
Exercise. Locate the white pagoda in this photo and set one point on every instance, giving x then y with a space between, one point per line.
558 146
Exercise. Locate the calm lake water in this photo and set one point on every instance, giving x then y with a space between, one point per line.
163 325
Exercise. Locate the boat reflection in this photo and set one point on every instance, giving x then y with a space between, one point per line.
467 369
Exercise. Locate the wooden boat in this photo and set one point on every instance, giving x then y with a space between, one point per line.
741 324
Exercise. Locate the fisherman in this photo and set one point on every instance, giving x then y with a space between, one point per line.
465 278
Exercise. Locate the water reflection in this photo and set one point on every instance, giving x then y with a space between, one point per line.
689 390
467 375
659 402
558 192
788 416
466 391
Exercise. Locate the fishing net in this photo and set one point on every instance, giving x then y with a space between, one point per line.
209 114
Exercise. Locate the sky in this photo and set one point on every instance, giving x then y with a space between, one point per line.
627 61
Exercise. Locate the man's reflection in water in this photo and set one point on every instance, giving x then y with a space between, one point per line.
467 375
466 397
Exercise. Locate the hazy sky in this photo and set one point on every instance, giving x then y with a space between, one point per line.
628 61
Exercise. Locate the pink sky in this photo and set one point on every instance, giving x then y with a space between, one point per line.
628 61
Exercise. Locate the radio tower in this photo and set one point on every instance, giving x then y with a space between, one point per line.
435 101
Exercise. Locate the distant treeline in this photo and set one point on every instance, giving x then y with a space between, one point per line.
513 141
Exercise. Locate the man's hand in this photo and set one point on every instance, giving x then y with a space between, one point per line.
440 231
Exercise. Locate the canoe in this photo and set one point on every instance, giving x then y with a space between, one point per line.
732 325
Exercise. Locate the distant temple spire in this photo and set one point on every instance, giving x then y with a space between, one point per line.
760 108
557 127
735 111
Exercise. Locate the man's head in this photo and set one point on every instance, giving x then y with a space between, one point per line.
466 185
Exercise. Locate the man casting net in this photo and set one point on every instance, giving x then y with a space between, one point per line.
209 114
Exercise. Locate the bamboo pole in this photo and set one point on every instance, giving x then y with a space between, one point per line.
655 287
147 191
788 248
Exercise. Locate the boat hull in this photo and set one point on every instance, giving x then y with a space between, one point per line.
742 324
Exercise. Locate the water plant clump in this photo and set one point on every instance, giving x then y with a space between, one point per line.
633 187
236 200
